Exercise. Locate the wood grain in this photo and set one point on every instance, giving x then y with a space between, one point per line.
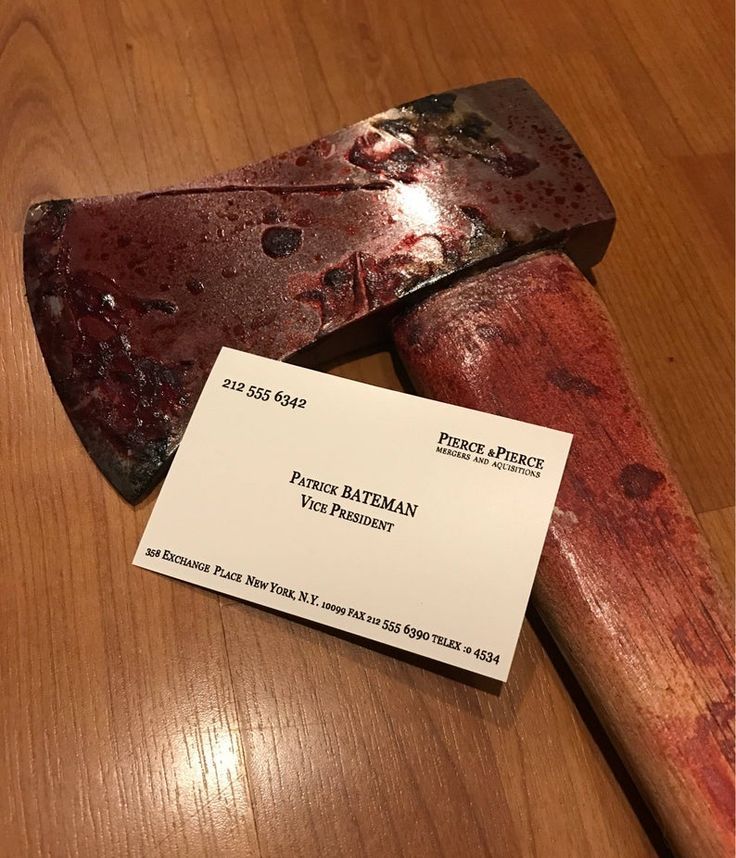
142 717
626 584
718 526
384 756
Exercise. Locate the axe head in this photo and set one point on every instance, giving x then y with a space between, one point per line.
133 296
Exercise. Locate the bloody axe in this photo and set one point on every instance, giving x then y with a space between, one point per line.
456 218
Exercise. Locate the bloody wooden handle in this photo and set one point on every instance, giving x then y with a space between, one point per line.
626 584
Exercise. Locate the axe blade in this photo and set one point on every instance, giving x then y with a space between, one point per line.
132 296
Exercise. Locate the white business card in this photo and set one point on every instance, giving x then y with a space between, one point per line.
400 519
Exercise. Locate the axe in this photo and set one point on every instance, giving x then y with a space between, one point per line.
460 222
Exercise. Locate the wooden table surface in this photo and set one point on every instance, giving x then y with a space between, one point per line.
142 716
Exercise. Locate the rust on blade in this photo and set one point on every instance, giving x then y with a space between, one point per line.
133 296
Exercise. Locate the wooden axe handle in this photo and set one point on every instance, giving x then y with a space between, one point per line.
627 585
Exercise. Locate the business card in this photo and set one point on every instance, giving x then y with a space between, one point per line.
396 518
